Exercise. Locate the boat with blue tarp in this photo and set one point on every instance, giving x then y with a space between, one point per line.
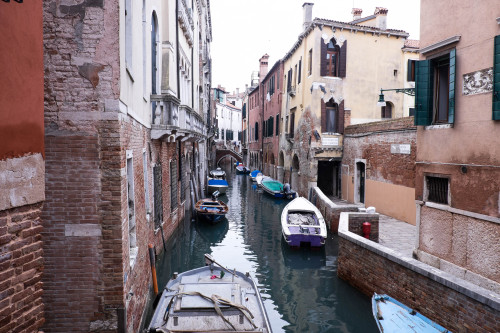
254 174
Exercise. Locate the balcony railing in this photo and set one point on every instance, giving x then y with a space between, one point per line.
172 118
291 91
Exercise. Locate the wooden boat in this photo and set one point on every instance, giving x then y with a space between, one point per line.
210 299
254 174
241 169
211 209
302 223
393 316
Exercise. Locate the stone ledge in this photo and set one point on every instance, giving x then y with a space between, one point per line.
464 287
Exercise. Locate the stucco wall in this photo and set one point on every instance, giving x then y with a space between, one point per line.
466 241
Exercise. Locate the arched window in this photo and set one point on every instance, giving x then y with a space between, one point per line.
332 58
386 111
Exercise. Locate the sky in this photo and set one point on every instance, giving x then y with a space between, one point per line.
244 30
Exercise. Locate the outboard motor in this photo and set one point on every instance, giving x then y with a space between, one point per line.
286 188
215 195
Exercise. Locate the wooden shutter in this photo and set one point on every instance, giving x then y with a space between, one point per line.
410 71
451 105
324 64
340 128
323 116
343 60
300 70
496 79
423 93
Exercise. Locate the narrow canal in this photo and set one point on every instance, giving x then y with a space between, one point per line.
300 287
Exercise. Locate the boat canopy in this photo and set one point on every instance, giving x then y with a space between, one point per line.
273 185
217 182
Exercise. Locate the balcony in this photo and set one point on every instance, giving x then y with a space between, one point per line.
173 120
292 91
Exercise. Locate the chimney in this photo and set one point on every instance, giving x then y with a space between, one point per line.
238 92
381 19
307 8
263 66
356 13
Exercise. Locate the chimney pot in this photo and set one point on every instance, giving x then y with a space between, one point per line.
307 14
381 19
356 13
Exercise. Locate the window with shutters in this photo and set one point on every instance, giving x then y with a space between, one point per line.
158 195
310 62
277 124
332 111
496 79
332 58
437 189
435 90
300 71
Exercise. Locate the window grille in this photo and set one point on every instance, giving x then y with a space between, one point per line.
437 189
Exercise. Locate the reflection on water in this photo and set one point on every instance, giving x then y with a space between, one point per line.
300 287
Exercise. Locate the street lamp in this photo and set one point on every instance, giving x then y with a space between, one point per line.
381 100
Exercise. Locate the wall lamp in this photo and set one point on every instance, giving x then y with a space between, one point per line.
381 100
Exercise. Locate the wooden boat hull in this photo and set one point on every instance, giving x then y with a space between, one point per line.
394 316
211 211
302 223
188 303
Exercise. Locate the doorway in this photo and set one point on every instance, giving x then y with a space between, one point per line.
360 181
329 178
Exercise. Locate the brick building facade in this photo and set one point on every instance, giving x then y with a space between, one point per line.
378 166
124 137
21 167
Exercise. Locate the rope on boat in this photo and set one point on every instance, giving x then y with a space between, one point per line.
216 300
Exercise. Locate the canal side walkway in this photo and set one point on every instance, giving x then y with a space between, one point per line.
393 233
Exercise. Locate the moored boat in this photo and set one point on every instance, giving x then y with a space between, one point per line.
302 223
210 299
394 316
260 177
273 187
220 185
211 209
254 174
217 174
241 169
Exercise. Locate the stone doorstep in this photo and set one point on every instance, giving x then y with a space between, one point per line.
478 293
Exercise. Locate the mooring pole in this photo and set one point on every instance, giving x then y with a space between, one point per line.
153 268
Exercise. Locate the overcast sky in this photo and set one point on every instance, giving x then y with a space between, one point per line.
244 30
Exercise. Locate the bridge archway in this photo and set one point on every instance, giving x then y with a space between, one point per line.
220 154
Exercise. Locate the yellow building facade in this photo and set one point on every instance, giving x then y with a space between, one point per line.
333 76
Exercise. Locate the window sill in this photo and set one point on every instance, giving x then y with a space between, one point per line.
441 126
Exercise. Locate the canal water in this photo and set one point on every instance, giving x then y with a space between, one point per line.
300 287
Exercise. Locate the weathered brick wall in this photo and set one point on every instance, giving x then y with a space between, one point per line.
330 211
372 271
356 221
372 141
21 267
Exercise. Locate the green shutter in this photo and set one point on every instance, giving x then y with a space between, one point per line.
496 79
423 93
451 103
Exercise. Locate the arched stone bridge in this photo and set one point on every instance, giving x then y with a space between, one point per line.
222 153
